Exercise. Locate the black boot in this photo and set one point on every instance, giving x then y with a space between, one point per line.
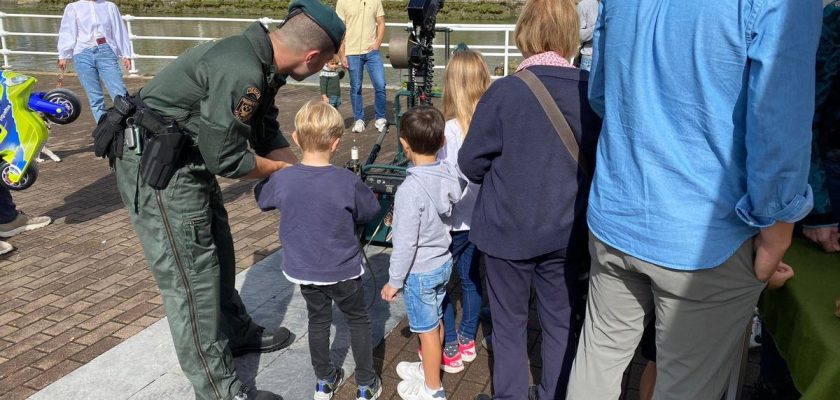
248 393
263 342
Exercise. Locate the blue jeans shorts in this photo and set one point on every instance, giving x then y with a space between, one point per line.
424 294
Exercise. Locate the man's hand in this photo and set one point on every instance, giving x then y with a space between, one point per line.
127 63
374 46
345 62
770 246
265 167
284 154
62 64
828 237
389 293
325 98
780 276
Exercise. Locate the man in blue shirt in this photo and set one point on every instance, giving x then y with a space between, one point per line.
702 169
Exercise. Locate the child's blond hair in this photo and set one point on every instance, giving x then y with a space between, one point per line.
466 78
318 125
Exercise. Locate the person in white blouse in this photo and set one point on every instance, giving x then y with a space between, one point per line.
94 36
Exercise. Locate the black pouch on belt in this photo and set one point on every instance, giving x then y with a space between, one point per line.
161 156
109 131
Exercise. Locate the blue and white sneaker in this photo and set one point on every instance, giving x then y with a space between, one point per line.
369 392
324 389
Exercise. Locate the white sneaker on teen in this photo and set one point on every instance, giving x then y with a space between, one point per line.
380 124
359 126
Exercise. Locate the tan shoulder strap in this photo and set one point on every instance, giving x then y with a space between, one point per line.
558 120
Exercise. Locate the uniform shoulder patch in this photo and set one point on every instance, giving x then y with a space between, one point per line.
247 104
254 92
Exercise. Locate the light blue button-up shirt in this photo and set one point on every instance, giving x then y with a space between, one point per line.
707 109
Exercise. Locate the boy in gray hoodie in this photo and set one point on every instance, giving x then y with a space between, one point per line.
421 262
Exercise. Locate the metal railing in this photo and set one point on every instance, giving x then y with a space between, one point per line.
504 51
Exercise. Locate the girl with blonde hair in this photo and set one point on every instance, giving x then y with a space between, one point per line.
466 78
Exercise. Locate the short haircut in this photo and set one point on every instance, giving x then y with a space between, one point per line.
304 34
422 128
548 25
318 125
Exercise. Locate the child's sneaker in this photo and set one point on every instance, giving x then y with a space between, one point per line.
411 371
369 392
467 349
324 389
416 390
451 364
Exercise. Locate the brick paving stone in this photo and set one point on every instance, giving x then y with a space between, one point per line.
128 331
95 349
136 312
99 333
100 318
50 375
69 311
57 342
57 356
25 345
32 329
16 393
66 324
15 364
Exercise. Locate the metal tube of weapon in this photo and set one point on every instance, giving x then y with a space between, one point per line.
374 151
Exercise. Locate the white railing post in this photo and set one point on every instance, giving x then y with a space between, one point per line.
507 50
4 50
133 70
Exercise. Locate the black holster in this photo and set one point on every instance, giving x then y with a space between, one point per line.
161 156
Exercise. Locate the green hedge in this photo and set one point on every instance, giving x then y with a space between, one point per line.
452 10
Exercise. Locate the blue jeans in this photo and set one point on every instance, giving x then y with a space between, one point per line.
466 259
8 211
832 183
94 64
585 62
376 70
424 293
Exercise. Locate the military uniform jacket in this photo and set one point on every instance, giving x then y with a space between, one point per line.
222 93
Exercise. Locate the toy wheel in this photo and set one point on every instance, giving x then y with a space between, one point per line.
27 180
66 99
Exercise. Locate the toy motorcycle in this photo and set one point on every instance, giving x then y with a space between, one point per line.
24 118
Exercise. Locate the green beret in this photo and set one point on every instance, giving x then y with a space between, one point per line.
323 15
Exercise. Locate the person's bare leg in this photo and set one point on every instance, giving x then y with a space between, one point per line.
431 349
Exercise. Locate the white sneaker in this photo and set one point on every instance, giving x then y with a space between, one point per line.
411 371
359 126
23 223
381 124
416 390
5 247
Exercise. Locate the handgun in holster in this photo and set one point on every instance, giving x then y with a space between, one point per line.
161 155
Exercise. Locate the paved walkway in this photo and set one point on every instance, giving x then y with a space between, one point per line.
79 310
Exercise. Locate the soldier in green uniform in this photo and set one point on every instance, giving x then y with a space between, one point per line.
222 95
